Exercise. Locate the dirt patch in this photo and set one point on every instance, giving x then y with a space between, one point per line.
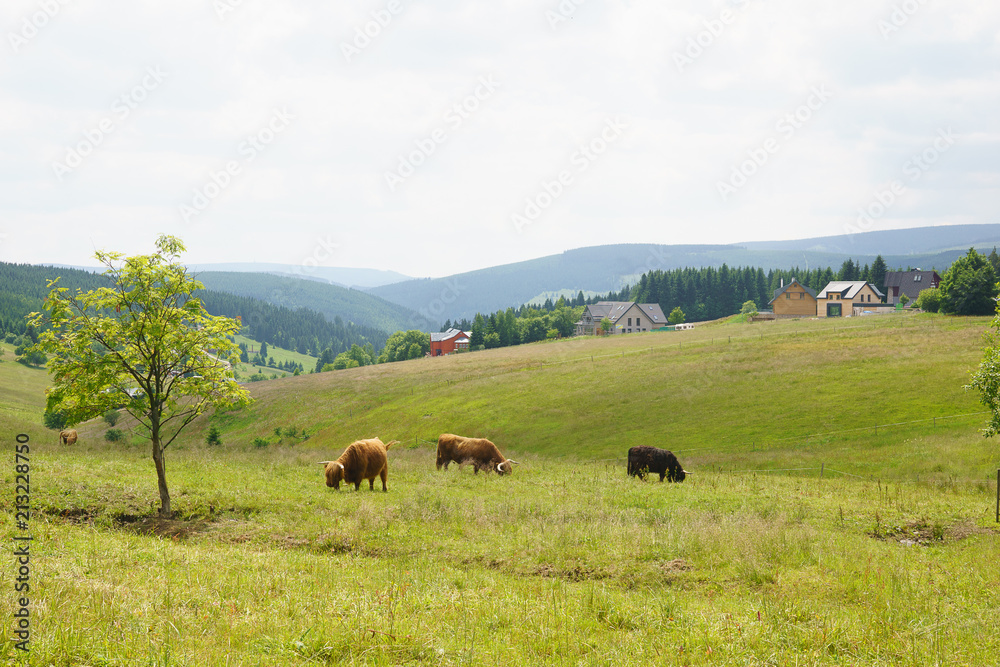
676 565
170 528
575 573
924 532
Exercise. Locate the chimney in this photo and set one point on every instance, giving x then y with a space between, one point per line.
782 282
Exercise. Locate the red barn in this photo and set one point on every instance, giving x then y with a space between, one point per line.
449 341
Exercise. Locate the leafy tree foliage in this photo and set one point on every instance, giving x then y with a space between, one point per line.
676 316
929 299
404 345
987 379
144 343
969 287
749 308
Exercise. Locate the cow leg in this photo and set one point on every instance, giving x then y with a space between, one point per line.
662 475
371 484
385 475
357 485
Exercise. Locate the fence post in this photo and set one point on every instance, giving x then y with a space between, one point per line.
998 496
821 466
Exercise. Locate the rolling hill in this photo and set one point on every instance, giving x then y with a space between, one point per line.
333 302
605 268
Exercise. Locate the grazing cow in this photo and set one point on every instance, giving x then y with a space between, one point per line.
480 452
67 437
644 459
363 459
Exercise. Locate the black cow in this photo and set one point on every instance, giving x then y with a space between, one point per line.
644 459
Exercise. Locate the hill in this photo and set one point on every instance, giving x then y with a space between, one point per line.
740 565
603 269
804 533
23 289
341 276
337 304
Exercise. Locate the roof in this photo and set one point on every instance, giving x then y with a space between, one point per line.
447 335
781 290
615 309
904 278
848 289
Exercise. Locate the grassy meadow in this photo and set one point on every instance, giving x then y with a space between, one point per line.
887 559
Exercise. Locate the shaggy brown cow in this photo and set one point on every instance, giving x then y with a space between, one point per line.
480 452
67 437
363 459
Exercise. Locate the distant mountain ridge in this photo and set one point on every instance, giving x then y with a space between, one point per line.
609 267
332 301
342 276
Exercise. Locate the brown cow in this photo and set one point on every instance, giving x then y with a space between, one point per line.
480 452
363 459
67 437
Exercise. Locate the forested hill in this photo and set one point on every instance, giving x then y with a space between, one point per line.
334 302
23 288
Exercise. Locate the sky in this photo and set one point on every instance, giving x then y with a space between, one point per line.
436 137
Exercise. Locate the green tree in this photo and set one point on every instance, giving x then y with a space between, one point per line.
213 438
929 300
263 351
491 340
749 308
676 316
403 345
987 379
879 269
968 287
606 325
145 343
111 417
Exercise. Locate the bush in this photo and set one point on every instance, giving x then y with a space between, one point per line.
277 431
54 420
213 438
260 443
929 300
114 435
111 417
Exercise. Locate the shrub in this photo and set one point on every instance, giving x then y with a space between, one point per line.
213 438
929 300
114 435
111 417
54 420
260 443
277 431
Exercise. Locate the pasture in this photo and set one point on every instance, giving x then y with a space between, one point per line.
754 560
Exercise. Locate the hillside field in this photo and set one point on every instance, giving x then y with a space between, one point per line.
887 557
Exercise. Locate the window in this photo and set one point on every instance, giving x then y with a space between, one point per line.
787 295
917 278
802 295
630 321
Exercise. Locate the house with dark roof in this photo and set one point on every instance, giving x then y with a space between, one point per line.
625 316
910 283
446 342
794 300
847 298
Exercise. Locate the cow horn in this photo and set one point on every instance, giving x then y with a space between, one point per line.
514 462
685 472
498 467
323 463
339 463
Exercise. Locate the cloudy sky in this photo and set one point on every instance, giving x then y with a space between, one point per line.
433 137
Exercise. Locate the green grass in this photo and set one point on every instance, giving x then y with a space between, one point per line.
279 354
567 561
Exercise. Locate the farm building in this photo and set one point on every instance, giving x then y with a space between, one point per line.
449 341
847 298
898 283
794 300
625 316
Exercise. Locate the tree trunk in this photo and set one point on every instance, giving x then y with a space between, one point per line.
161 478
